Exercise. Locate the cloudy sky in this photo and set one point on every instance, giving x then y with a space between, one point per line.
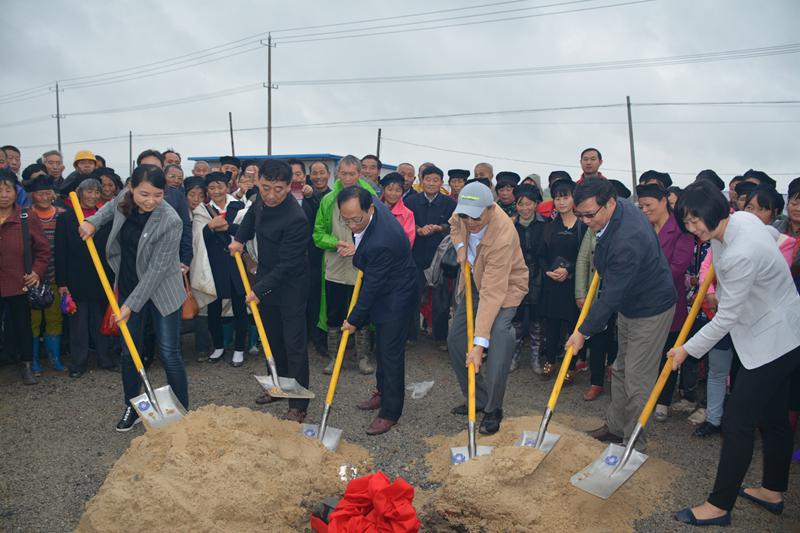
562 54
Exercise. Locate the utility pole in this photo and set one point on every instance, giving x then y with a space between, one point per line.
230 127
58 116
269 87
378 151
633 154
130 152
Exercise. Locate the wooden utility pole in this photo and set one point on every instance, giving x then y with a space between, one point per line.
58 117
269 87
378 151
230 127
633 153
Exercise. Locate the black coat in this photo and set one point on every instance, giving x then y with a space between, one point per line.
282 276
310 207
637 281
560 247
226 275
530 240
74 267
389 289
436 212
177 200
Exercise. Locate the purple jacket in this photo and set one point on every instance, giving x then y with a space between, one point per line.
678 248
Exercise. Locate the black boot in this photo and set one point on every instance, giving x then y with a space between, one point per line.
491 422
129 419
27 374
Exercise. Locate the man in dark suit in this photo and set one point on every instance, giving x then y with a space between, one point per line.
387 294
432 211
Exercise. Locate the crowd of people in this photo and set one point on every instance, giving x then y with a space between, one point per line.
306 233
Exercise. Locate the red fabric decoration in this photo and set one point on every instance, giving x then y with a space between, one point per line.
373 505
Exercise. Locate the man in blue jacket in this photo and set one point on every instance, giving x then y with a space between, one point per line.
637 284
388 292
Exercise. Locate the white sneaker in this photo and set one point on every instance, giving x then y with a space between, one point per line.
661 413
698 417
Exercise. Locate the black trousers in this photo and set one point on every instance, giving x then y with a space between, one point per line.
337 301
602 349
285 327
760 399
18 337
85 324
312 309
390 358
672 380
556 332
241 323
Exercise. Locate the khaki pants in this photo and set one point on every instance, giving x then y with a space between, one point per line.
634 373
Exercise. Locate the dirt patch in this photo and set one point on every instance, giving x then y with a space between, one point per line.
221 469
513 489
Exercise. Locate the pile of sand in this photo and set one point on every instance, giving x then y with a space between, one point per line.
505 491
221 469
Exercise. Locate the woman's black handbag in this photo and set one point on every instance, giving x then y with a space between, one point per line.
40 296
450 264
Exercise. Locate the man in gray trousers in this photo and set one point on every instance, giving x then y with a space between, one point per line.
637 284
484 236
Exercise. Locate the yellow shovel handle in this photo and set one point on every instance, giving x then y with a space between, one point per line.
562 372
101 273
337 366
687 326
470 342
254 308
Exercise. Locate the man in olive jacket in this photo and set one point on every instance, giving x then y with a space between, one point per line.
484 235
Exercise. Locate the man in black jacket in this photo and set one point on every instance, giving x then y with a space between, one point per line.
387 294
282 276
637 284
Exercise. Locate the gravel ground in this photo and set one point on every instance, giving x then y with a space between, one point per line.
57 439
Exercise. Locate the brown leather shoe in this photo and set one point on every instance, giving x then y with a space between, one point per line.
295 415
266 399
569 377
547 370
603 434
380 426
373 403
592 393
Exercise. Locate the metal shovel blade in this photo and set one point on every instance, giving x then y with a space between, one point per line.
599 477
331 438
289 388
528 440
460 454
171 409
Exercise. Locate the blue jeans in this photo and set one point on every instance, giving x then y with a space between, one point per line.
168 333
719 366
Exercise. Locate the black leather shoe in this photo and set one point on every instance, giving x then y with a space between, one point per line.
462 410
129 419
603 434
491 422
706 429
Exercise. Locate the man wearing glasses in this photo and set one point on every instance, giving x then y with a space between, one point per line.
388 293
637 284
484 236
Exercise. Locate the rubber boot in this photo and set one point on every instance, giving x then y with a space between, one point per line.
36 368
363 349
333 348
27 375
53 345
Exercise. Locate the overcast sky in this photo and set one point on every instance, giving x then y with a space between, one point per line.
47 41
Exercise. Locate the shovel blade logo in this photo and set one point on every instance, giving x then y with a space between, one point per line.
144 405
459 458
611 460
310 432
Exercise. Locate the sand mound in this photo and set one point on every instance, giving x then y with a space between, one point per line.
221 469
505 491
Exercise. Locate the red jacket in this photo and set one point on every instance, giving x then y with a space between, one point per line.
406 219
11 253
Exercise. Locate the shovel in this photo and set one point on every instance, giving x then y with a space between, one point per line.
541 439
461 454
275 386
157 408
613 468
329 436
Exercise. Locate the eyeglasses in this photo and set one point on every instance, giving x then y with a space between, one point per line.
587 216
355 221
462 216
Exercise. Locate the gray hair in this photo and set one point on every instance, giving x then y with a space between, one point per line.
486 165
89 184
52 152
350 160
200 163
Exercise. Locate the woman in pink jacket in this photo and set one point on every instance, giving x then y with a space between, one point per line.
392 184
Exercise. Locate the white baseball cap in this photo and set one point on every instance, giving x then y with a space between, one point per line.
473 199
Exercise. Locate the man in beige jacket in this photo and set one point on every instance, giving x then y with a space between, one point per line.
484 235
